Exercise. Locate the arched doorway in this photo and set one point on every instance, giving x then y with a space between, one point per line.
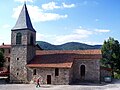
82 71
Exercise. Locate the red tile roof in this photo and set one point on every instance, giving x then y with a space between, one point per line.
51 60
59 65
94 51
62 58
105 68
5 46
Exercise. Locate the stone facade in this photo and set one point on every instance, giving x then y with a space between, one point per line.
18 71
21 54
25 36
23 40
92 70
69 75
6 52
62 79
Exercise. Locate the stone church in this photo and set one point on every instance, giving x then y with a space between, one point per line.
51 66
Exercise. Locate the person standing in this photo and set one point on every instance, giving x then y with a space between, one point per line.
38 82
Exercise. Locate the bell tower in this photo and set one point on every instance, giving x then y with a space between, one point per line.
23 39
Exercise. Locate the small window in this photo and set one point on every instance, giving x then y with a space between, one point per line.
18 38
8 68
34 72
17 59
8 59
9 51
56 72
31 40
82 70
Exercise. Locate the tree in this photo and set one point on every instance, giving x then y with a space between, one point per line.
111 55
2 60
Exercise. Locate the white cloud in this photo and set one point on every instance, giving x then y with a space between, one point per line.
92 42
78 35
83 31
68 38
102 30
50 6
16 12
59 39
5 36
68 6
48 17
6 26
39 36
45 37
24 1
38 14
53 5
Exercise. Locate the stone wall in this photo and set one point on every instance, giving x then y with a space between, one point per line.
92 70
7 52
62 79
25 37
71 76
30 53
7 58
21 54
18 71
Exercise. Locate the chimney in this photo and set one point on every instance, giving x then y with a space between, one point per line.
2 43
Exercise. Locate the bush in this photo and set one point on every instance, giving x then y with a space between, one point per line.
117 76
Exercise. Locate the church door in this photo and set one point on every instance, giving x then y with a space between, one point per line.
48 79
82 71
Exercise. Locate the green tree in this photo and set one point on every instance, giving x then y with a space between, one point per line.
111 55
2 60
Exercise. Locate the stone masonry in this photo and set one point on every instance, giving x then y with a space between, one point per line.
62 79
21 55
92 70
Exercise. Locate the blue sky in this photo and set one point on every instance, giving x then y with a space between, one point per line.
61 21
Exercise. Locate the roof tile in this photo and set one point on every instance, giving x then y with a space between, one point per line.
62 58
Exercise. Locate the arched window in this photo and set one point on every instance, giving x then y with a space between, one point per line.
82 71
31 40
18 38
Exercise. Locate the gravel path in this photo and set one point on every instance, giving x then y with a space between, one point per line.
112 86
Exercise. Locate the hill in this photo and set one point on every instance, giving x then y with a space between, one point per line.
67 46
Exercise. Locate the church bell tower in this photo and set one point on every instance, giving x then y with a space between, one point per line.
23 39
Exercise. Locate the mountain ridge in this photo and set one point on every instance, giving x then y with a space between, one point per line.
67 46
